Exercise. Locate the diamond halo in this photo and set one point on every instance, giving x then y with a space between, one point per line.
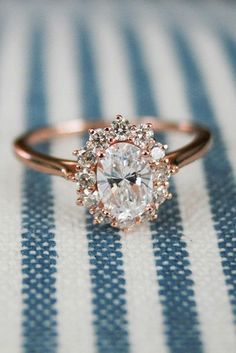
122 174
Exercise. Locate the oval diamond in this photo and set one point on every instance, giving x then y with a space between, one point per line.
124 182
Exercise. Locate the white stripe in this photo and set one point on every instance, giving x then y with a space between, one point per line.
62 67
165 79
211 294
212 298
218 78
12 94
111 66
73 280
144 309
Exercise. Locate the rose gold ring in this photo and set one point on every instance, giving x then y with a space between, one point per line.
122 173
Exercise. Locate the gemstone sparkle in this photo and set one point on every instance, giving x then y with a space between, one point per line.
122 174
124 182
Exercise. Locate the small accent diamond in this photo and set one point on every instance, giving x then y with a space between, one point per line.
88 198
157 153
162 172
160 194
120 128
86 178
86 157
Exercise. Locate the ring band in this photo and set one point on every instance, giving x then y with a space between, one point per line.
124 146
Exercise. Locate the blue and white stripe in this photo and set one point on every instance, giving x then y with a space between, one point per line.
104 245
74 294
38 222
12 88
174 277
220 180
145 322
69 286
199 255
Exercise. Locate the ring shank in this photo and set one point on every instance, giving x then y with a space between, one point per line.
23 146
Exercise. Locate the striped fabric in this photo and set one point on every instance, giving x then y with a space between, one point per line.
67 286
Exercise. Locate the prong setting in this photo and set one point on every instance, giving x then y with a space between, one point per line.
150 155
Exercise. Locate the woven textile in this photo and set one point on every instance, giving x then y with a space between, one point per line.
67 286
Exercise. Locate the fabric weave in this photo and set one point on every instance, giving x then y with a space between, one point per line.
68 286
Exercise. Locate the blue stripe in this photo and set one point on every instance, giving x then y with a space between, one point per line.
170 251
229 46
218 171
88 82
106 259
144 100
38 243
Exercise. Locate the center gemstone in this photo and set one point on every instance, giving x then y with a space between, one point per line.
124 182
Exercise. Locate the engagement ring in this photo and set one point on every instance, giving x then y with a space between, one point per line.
122 173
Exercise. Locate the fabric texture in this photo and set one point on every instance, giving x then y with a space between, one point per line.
66 285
